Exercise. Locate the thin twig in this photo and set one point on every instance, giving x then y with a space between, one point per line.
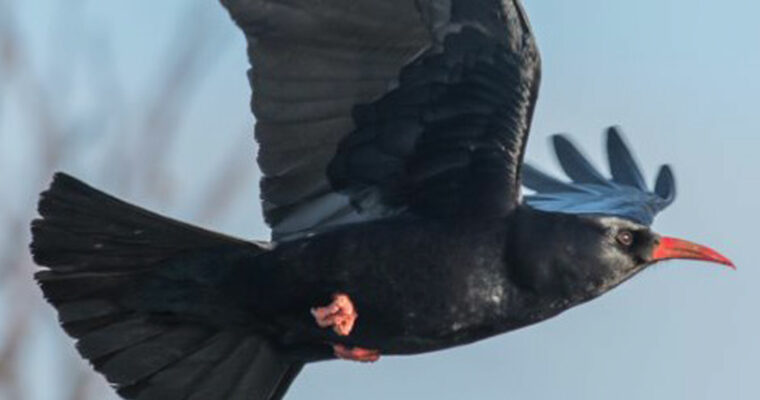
61 137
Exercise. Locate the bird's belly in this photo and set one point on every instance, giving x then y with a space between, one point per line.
416 288
427 309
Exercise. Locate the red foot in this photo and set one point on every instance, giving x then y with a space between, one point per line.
356 353
340 314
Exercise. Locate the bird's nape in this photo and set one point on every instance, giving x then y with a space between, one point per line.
670 248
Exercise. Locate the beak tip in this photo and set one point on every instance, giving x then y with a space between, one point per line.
670 248
720 259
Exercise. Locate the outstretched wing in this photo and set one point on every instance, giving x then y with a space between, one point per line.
625 195
367 109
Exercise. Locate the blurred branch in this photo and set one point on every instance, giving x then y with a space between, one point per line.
13 250
7 50
81 386
32 94
15 338
227 184
59 137
186 62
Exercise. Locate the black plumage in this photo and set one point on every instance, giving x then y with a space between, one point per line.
126 285
391 139
625 195
430 158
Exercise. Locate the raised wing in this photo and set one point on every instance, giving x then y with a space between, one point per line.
369 108
625 195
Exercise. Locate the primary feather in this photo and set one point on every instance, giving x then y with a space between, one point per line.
368 109
124 283
624 195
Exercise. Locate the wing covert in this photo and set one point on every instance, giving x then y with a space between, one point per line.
330 74
449 140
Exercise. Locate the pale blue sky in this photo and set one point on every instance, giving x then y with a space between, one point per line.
680 77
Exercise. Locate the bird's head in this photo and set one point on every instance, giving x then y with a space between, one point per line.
621 248
583 256
599 226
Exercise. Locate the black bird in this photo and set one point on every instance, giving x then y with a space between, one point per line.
391 141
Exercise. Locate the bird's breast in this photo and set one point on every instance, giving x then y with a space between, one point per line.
416 287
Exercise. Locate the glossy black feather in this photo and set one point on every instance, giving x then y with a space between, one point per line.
179 380
312 64
222 380
623 167
139 362
665 185
425 113
589 192
575 164
140 294
544 183
461 116
384 128
118 336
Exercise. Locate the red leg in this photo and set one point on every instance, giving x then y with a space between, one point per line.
340 315
356 353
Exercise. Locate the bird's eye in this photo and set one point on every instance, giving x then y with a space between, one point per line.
625 238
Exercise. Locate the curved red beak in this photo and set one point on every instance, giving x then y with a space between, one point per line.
672 248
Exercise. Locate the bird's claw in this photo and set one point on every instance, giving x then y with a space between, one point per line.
340 315
356 353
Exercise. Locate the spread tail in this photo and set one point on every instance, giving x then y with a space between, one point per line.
153 335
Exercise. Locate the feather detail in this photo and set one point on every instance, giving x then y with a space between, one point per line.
625 195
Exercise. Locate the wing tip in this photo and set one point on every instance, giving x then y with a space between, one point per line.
624 169
560 139
665 184
575 163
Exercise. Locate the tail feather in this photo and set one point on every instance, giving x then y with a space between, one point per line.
101 253
84 229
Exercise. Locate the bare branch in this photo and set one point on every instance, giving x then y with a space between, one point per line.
227 184
61 138
184 69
